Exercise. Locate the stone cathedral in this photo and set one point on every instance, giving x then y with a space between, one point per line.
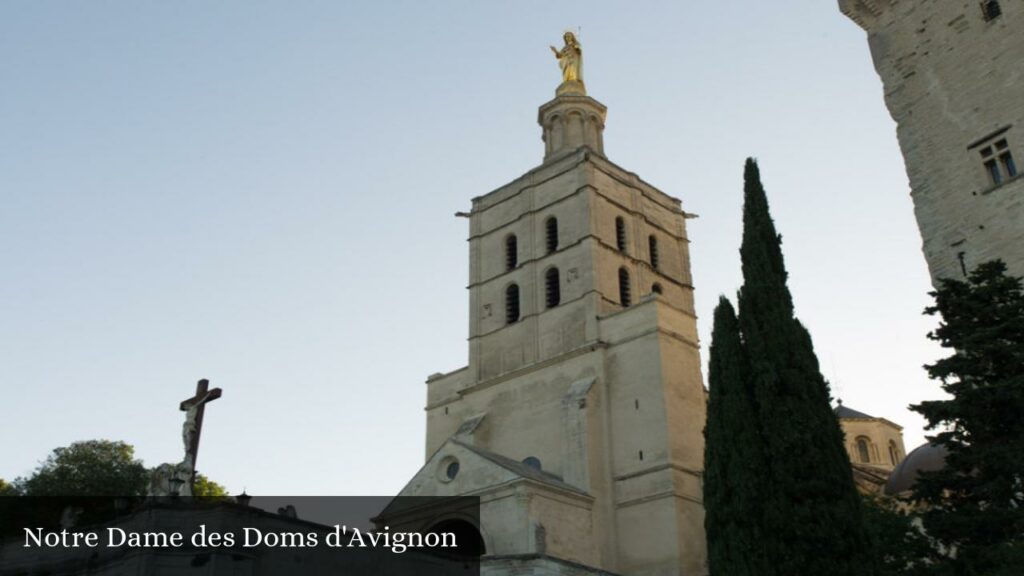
579 418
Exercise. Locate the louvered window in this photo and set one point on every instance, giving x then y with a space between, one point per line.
552 288
620 234
512 304
511 252
551 234
624 295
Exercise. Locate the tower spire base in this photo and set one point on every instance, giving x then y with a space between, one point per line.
572 120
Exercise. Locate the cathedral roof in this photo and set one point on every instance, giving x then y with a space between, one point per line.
519 468
460 468
845 412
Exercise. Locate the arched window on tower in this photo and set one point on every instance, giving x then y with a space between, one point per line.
863 451
652 248
620 233
894 453
511 252
656 288
551 234
624 295
512 304
552 288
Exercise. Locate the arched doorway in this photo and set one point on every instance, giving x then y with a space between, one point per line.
467 537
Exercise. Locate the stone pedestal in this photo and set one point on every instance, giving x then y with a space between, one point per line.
570 121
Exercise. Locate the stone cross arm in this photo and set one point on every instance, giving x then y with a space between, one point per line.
203 395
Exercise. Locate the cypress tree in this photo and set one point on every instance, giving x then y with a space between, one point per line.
733 461
812 519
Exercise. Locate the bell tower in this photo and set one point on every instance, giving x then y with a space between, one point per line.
579 417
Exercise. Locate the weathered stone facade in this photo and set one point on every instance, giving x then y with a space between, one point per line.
579 417
874 445
871 441
953 74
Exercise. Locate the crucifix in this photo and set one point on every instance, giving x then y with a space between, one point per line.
193 408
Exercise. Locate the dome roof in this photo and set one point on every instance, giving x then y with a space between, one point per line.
926 457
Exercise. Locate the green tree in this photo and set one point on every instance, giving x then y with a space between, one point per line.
206 488
89 468
812 520
733 458
97 478
7 489
100 479
899 545
975 504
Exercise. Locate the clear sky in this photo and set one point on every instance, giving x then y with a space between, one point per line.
262 193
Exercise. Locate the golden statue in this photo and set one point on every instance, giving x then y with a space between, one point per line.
570 59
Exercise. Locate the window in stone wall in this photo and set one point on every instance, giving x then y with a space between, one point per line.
512 304
533 462
1006 159
624 293
652 247
551 234
991 10
552 288
998 161
620 234
511 252
862 450
894 453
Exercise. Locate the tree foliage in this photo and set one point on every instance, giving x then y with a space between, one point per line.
7 489
806 505
88 468
97 480
899 544
975 504
733 458
206 488
812 518
97 468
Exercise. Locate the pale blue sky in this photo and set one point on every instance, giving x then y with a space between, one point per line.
261 193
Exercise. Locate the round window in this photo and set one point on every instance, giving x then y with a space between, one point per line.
452 470
447 469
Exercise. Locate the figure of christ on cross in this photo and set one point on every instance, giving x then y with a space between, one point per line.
193 408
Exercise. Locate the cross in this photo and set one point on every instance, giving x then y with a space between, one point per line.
195 406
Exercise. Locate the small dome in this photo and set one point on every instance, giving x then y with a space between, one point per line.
926 457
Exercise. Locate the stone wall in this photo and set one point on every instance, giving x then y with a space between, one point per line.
954 83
